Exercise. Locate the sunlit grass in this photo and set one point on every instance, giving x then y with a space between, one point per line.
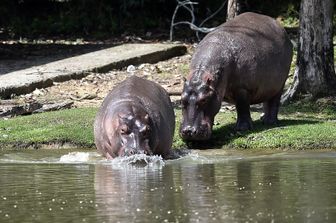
67 126
302 126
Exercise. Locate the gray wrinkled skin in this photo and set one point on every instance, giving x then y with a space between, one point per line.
244 61
136 117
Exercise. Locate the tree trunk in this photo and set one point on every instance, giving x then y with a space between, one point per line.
233 9
314 73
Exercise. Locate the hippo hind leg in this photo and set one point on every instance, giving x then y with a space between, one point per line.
271 109
244 121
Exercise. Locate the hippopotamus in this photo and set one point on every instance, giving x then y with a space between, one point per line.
136 117
244 61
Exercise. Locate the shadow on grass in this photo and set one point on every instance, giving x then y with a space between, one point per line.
225 134
322 106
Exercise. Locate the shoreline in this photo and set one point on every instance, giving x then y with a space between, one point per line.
302 126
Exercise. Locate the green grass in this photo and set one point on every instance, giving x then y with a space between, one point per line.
73 126
303 125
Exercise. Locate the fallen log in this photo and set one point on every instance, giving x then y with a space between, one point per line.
9 109
54 107
16 110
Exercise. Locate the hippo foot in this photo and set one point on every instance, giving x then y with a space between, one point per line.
243 125
268 120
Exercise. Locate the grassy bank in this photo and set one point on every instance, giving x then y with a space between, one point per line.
304 125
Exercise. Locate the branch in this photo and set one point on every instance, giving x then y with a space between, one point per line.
211 16
189 6
184 5
293 90
193 27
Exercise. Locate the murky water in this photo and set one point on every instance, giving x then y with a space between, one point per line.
206 186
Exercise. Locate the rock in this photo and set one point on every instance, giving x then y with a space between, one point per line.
141 66
131 69
37 92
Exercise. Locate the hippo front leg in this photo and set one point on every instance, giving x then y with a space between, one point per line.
271 109
244 121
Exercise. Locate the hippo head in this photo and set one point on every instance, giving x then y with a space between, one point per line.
129 133
200 103
134 133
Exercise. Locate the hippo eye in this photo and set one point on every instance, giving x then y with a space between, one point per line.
124 130
211 93
145 131
201 101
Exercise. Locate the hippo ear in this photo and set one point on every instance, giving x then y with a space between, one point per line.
210 81
185 81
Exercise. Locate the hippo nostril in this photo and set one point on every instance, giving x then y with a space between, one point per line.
193 131
129 152
186 131
189 131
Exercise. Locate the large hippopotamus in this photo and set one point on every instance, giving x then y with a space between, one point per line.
244 61
136 117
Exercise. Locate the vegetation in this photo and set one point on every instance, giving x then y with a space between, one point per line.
72 126
303 125
104 18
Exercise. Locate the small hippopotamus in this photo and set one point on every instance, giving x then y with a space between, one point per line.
244 61
136 117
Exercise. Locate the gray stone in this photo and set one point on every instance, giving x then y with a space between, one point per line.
27 80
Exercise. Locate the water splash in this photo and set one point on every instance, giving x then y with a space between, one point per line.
138 160
75 157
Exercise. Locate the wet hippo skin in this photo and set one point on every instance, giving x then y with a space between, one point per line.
244 61
136 117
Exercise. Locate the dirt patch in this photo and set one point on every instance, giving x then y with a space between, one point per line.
91 90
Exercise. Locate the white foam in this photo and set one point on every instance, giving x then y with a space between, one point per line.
138 160
75 157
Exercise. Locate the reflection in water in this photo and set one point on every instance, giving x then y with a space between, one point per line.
246 190
284 188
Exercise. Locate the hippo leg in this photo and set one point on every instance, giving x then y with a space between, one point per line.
244 121
271 108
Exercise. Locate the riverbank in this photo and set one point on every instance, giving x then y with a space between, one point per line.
302 125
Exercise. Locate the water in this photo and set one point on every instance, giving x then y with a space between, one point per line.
205 186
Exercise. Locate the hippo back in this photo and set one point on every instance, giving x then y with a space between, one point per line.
252 51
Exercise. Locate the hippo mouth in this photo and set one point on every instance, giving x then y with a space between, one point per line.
193 133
